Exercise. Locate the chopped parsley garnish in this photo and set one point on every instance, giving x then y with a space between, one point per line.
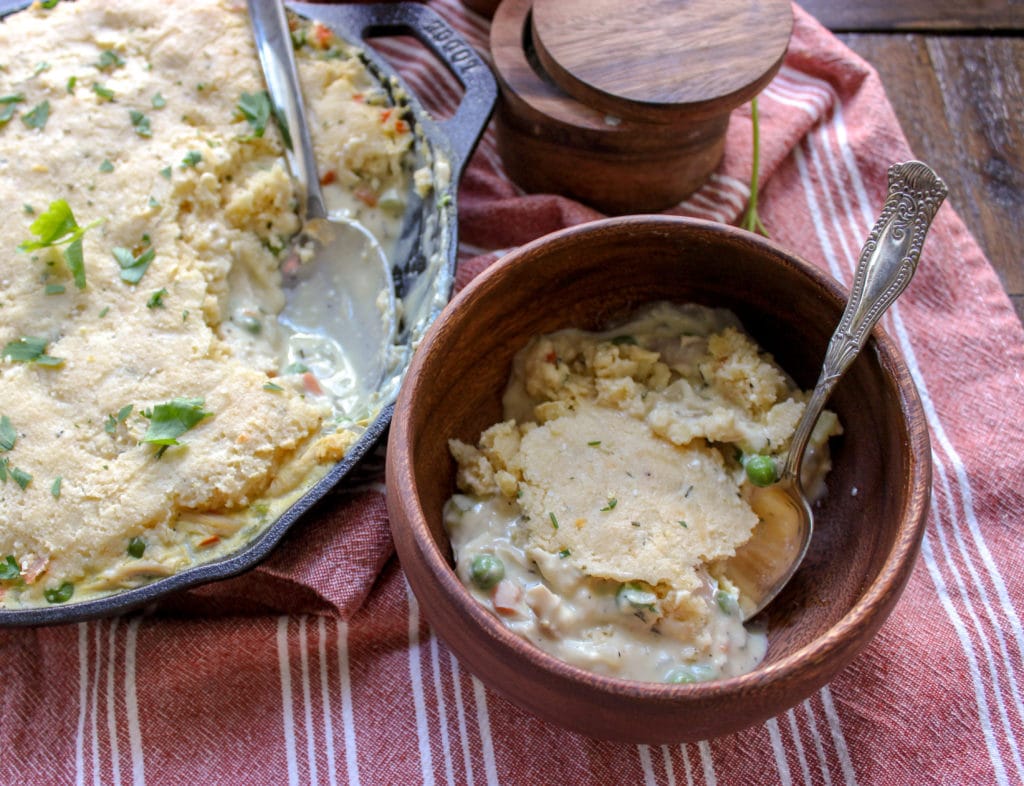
159 102
29 349
3 470
255 108
104 311
103 92
683 524
21 477
272 387
140 123
28 209
612 502
136 547
295 368
10 570
594 443
554 521
169 421
41 66
37 116
112 420
156 300
55 488
62 594
72 81
134 267
8 106
106 166
56 227
192 158
166 172
54 289
564 553
8 436
620 340
109 60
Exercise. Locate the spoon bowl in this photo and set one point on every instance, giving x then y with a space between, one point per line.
888 260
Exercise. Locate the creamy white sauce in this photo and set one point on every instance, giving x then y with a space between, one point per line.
603 626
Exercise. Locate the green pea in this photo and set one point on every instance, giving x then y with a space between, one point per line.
727 603
136 547
486 570
636 595
62 594
684 675
761 470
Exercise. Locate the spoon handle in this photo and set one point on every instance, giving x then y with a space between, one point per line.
274 44
887 263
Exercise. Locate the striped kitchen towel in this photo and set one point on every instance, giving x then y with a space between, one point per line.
320 667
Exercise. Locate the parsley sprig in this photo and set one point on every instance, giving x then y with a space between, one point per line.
57 227
133 267
169 421
29 349
255 108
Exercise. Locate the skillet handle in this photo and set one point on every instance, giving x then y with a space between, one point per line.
463 129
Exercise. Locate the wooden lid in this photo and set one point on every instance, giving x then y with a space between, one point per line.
661 60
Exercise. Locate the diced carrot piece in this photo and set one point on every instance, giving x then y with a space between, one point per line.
328 177
209 541
384 115
322 35
311 384
401 126
366 196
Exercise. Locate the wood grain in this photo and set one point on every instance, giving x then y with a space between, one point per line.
960 100
552 143
920 15
658 60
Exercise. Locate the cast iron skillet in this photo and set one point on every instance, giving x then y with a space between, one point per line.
429 229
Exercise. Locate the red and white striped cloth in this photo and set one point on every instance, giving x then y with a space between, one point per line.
319 667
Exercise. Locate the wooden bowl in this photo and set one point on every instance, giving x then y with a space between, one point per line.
868 528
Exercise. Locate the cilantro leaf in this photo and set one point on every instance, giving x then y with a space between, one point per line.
37 116
103 92
192 158
55 488
133 267
169 421
255 108
10 570
8 436
158 101
56 227
106 166
8 106
29 349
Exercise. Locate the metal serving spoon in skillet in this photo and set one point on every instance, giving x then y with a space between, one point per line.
766 563
346 292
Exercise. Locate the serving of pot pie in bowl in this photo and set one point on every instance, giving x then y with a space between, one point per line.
159 427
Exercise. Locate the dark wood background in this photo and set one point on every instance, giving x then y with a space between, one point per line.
954 72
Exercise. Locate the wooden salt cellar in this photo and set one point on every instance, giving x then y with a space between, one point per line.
624 106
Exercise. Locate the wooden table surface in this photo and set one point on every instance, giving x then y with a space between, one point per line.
954 72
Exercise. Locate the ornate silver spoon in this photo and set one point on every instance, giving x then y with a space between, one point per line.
766 563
